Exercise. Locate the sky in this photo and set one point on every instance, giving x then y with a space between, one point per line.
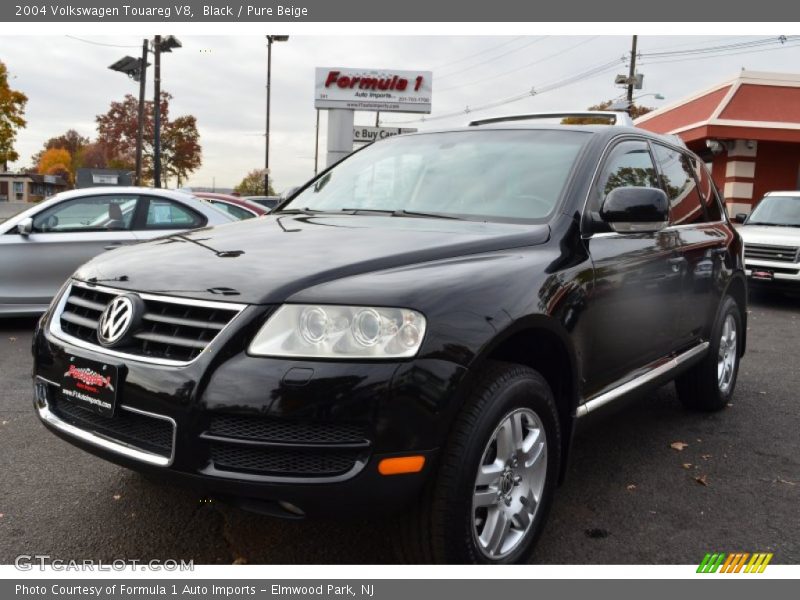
222 81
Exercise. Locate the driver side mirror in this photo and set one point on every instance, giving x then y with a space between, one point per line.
25 227
636 209
740 218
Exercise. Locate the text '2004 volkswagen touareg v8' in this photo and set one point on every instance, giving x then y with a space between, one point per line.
419 328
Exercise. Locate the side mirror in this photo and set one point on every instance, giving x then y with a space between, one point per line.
740 218
636 209
25 227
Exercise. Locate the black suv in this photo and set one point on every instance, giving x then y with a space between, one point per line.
419 328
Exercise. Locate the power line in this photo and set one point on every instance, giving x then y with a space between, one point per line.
521 68
784 46
492 59
534 91
482 52
72 37
721 49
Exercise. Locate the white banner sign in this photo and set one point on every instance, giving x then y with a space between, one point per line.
364 133
383 90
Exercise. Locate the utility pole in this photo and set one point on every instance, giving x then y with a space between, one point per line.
140 125
157 113
266 133
632 75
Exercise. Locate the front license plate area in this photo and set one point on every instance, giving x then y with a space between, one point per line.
762 275
91 385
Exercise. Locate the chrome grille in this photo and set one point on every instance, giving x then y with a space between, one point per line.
171 330
788 254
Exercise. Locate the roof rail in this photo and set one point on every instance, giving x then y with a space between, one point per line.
616 117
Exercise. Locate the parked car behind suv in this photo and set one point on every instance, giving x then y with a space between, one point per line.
772 241
420 328
44 244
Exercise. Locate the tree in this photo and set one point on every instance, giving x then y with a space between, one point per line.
56 161
12 111
71 141
253 184
181 153
636 112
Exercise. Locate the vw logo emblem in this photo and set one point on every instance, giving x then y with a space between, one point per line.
115 321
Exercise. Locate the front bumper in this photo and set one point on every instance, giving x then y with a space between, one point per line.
780 274
263 432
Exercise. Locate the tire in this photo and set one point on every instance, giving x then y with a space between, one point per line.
709 385
445 526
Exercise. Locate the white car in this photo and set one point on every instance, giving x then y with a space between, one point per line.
771 237
42 246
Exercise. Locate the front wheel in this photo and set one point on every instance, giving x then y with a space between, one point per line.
496 476
709 385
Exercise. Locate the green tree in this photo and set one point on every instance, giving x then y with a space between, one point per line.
253 184
12 111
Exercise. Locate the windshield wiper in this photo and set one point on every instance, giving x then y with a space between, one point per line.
765 224
400 212
299 211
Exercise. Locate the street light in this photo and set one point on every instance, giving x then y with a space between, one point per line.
136 69
270 40
168 44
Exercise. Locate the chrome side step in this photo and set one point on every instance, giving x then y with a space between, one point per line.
629 386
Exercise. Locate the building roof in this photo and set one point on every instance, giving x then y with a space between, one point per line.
753 105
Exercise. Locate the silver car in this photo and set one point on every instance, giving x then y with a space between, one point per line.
42 246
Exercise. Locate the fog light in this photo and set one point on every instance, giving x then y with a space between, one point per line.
401 464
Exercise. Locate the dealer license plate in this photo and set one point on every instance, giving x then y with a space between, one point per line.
91 385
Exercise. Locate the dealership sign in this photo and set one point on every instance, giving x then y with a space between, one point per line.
384 90
371 134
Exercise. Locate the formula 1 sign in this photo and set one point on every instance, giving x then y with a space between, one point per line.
384 90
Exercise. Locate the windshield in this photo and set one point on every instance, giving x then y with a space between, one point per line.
505 174
777 210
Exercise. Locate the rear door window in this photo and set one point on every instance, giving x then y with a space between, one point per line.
167 214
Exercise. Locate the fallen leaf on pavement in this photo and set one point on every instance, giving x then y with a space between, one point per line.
240 561
12 339
117 496
631 487
702 480
687 465
778 480
679 446
705 456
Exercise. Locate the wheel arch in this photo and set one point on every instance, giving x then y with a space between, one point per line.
540 342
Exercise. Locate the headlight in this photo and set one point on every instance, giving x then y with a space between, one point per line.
307 331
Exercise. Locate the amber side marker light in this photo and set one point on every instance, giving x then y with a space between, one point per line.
401 464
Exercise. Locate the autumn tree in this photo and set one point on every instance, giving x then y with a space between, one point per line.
71 141
12 111
56 161
253 184
636 112
181 153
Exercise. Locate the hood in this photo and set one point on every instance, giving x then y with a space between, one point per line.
266 260
771 236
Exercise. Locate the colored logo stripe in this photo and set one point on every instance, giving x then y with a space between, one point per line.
735 562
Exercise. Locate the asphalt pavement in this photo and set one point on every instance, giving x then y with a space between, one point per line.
630 497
